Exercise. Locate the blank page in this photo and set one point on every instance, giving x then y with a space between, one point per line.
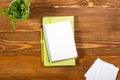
60 41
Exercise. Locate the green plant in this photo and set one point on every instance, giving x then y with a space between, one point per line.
17 10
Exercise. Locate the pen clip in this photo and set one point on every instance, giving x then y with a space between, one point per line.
41 26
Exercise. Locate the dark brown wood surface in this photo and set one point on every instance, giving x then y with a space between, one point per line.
97 34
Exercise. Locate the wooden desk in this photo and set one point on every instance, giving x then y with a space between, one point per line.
97 34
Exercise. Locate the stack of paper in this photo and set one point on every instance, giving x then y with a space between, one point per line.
102 70
58 44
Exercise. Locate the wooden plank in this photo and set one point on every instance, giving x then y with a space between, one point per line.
100 17
20 67
76 3
84 11
67 3
89 42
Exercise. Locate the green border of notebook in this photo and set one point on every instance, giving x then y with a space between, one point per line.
45 58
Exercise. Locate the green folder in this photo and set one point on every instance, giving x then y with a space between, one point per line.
45 57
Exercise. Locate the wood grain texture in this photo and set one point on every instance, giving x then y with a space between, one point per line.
96 33
105 3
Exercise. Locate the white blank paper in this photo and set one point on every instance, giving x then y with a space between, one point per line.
101 70
60 41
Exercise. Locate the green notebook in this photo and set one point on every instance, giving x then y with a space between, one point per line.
45 57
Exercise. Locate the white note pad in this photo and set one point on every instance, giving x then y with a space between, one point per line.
60 41
102 70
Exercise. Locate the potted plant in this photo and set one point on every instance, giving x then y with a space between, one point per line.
17 10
